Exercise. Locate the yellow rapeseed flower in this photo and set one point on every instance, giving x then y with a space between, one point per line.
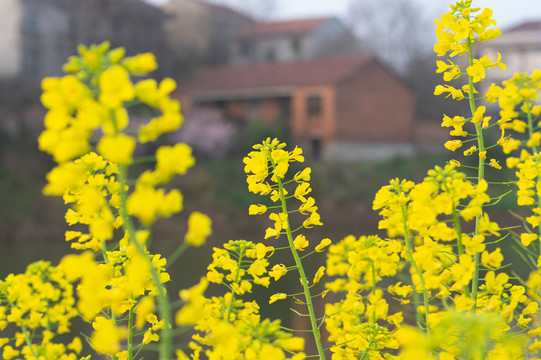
117 148
199 228
276 297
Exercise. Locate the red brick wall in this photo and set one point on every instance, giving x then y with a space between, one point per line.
374 106
236 109
186 103
305 127
269 110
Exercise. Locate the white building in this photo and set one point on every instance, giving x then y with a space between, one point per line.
294 40
37 36
520 47
27 30
10 53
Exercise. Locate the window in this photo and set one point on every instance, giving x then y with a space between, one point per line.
31 61
296 44
245 48
271 56
316 147
313 105
31 22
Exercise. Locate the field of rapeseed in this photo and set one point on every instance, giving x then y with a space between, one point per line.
436 286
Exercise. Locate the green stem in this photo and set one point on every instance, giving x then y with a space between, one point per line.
304 281
106 261
416 300
26 337
374 290
458 229
176 254
365 353
534 152
481 168
166 335
130 334
409 250
237 278
530 125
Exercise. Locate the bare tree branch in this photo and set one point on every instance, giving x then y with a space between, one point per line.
394 30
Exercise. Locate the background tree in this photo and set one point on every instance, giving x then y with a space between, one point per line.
422 78
401 33
396 31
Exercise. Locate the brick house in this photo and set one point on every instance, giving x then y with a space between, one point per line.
343 107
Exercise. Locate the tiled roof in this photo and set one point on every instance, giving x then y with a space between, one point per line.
274 75
228 10
140 2
524 34
526 26
289 27
134 5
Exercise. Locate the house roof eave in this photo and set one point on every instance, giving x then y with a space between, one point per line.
242 94
265 78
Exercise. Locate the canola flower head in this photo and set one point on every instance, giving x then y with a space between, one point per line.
276 297
227 326
517 99
458 31
199 228
94 100
354 263
94 97
269 153
266 169
90 184
239 264
40 301
463 24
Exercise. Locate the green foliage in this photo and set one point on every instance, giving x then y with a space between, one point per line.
256 131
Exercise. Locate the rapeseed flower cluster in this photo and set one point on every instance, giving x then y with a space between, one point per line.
37 306
116 285
440 235
356 323
95 195
266 169
458 31
227 326
461 335
424 223
271 162
518 113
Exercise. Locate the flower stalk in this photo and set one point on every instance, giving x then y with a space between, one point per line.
304 281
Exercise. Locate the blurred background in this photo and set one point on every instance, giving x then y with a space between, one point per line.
351 81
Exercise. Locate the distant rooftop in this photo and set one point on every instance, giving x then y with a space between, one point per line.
527 33
275 75
136 4
526 26
227 9
290 27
